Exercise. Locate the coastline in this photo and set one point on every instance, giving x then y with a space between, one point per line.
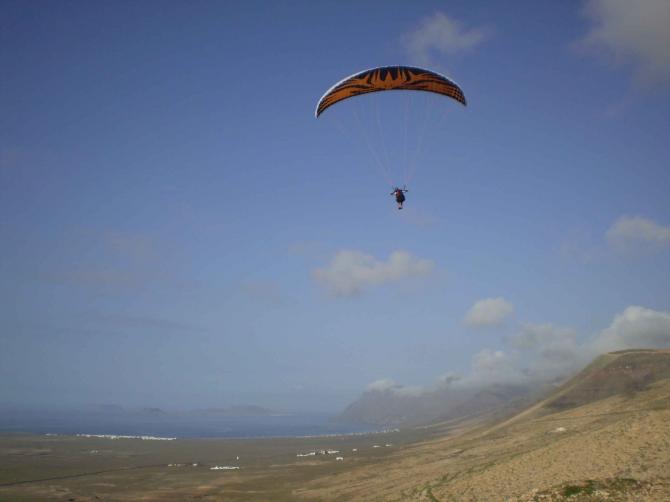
181 426
45 467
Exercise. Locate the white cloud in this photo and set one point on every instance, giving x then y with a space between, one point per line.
411 390
533 336
448 379
440 34
493 366
388 385
635 230
350 272
488 312
382 385
632 32
635 327
553 350
543 352
490 360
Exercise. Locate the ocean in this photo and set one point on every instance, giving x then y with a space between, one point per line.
173 425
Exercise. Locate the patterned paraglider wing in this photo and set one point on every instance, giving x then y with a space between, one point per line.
388 78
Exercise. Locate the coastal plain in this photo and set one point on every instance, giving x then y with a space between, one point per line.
54 467
602 435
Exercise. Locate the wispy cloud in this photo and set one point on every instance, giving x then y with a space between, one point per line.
537 336
637 231
420 218
306 248
552 351
628 234
581 244
133 246
113 261
146 324
267 292
632 33
100 277
493 366
440 35
389 385
488 312
351 272
381 385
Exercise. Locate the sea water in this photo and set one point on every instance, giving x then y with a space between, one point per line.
173 424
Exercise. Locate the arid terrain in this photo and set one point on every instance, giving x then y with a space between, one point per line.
603 435
581 443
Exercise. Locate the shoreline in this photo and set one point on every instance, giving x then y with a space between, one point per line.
148 437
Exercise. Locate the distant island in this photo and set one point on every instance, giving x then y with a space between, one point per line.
230 411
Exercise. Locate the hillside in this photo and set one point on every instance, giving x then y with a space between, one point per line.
604 434
393 407
624 372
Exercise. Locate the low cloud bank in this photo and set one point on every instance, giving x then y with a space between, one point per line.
551 351
635 327
389 386
540 353
543 352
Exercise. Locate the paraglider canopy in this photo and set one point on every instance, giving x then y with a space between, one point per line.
386 78
395 140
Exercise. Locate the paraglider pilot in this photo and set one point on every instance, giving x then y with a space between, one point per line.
399 196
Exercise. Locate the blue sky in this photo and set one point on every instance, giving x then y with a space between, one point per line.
179 230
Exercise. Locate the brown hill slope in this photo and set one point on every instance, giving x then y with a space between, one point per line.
391 408
623 372
605 434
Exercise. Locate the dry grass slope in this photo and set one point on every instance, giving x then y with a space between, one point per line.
604 435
